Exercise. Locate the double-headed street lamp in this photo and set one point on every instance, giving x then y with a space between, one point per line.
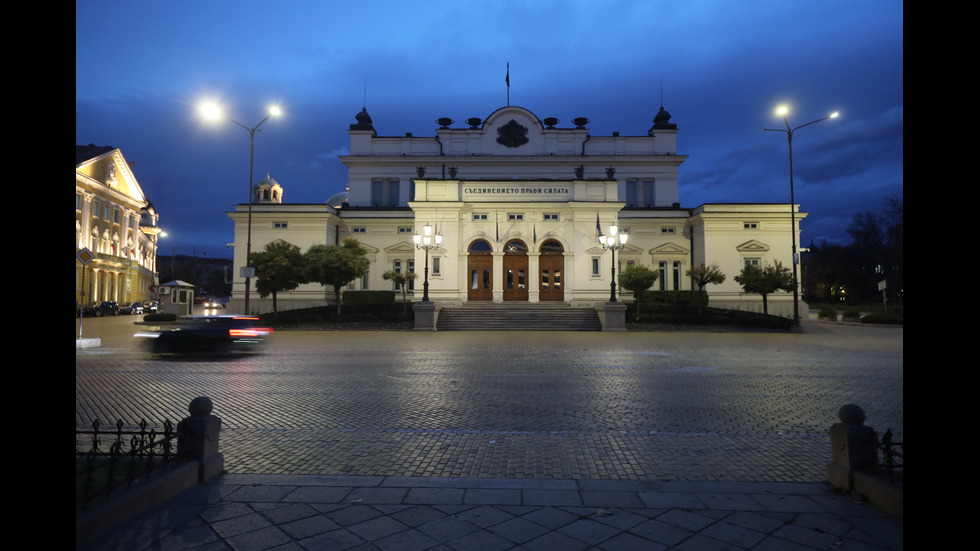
613 242
212 111
426 242
792 201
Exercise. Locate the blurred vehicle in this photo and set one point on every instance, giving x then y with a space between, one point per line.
99 309
210 334
134 308
151 306
211 303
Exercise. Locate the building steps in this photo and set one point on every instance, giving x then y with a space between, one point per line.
518 316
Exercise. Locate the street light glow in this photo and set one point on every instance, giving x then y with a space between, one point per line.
211 110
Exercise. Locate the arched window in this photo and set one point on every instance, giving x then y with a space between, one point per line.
515 246
480 246
552 246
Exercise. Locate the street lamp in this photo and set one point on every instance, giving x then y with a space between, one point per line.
782 110
212 111
613 242
426 242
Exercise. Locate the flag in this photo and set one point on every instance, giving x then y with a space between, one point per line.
497 222
507 78
535 234
598 229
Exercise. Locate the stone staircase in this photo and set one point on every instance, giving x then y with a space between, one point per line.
517 316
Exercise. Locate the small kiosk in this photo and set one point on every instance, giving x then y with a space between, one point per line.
177 297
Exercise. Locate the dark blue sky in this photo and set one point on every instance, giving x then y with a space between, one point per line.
142 68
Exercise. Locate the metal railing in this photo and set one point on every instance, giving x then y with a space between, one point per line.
893 456
106 460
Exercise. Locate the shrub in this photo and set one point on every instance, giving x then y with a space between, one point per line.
352 298
884 317
851 314
159 317
827 312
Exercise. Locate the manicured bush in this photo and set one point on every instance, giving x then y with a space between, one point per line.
851 314
160 317
827 312
352 298
694 298
884 317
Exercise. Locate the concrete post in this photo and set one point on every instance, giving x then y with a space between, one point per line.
854 447
198 438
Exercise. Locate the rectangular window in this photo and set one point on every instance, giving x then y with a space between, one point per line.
480 216
632 193
78 201
365 279
595 266
106 212
515 216
115 215
677 275
666 230
280 225
96 209
411 268
750 225
359 229
404 230
662 267
648 197
436 265
551 216
753 262
384 192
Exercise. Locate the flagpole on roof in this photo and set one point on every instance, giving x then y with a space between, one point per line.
507 79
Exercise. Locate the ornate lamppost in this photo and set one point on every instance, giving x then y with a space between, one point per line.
426 242
613 242
782 110
212 111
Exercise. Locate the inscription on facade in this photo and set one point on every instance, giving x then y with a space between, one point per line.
512 192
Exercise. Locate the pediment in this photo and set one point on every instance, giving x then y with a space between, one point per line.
669 249
112 171
403 247
752 246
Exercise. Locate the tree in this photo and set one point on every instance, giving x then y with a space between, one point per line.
704 275
278 268
336 265
766 280
637 278
401 281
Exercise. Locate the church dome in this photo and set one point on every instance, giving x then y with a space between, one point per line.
268 190
338 199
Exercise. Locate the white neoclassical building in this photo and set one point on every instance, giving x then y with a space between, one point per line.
519 202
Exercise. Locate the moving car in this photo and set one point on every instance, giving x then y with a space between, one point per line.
210 334
99 309
134 308
211 303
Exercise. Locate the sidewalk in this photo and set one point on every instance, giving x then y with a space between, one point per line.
310 512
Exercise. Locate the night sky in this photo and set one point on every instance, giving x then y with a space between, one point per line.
719 67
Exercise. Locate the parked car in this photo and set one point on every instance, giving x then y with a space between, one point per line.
99 309
134 308
208 334
151 306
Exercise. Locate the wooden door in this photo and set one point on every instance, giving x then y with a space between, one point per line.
552 277
515 276
480 277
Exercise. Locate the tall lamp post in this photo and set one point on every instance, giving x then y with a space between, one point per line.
613 242
426 242
792 201
212 111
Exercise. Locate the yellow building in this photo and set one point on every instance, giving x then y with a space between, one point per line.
116 223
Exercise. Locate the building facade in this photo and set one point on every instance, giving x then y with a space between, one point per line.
118 225
520 203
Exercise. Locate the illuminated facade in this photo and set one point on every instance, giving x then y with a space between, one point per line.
520 203
115 221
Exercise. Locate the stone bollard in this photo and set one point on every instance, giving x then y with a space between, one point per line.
198 438
854 448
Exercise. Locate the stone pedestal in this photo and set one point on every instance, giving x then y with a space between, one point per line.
199 439
612 315
425 316
854 448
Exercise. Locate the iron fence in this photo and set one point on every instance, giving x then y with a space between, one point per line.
893 456
107 459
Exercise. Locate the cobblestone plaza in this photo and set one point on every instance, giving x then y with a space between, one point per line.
633 406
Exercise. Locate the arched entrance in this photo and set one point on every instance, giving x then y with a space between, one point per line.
515 270
552 266
480 269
